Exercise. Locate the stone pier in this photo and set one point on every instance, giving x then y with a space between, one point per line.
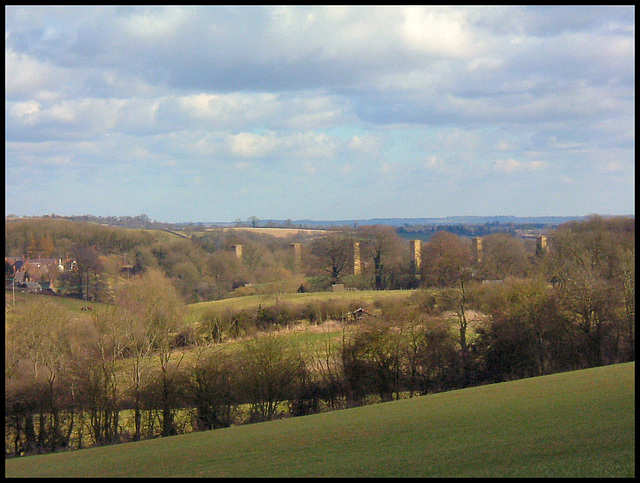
297 257
357 264
416 256
238 250
541 245
477 248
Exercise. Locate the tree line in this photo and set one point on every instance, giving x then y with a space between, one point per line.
133 369
203 267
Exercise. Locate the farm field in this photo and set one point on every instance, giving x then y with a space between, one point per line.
252 302
573 424
279 232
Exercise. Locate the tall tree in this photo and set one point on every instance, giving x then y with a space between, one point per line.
503 255
382 245
447 264
88 267
333 254
526 326
271 367
41 338
99 377
590 261
212 388
152 312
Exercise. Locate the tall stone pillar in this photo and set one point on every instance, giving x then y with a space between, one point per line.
416 256
357 264
477 248
297 257
541 245
238 250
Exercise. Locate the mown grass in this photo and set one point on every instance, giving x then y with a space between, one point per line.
574 424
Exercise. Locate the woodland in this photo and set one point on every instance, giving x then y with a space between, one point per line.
141 365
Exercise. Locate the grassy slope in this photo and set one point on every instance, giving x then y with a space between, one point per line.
252 302
573 424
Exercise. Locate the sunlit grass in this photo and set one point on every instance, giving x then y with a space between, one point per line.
574 424
252 302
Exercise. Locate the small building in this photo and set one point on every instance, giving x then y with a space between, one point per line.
47 287
32 287
359 314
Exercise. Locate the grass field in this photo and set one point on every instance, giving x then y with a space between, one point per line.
346 298
280 232
574 424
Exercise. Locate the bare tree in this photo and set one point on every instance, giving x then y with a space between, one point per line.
152 312
382 245
212 388
253 220
37 379
101 378
88 268
333 253
447 265
270 366
591 263
503 255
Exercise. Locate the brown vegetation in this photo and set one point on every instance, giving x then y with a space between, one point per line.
73 379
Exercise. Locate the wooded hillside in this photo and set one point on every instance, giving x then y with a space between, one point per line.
141 365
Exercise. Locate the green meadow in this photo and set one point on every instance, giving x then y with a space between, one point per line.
573 424
345 299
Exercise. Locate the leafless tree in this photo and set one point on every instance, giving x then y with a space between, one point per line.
333 254
151 313
382 245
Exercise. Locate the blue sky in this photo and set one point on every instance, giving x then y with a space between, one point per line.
327 113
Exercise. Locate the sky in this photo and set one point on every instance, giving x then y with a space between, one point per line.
204 114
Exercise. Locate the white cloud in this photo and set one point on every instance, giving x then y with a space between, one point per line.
437 31
366 144
512 165
25 110
313 145
434 162
25 75
155 23
249 145
76 118
223 109
450 92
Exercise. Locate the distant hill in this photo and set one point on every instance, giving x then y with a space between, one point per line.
449 220
398 222
143 221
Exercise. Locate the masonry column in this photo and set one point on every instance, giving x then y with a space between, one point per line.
416 256
357 265
297 257
477 248
541 245
238 250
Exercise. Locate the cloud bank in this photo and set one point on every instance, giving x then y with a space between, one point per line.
219 113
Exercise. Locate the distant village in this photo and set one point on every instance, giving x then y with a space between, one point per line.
35 275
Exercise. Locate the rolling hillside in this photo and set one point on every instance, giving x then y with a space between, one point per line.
574 424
